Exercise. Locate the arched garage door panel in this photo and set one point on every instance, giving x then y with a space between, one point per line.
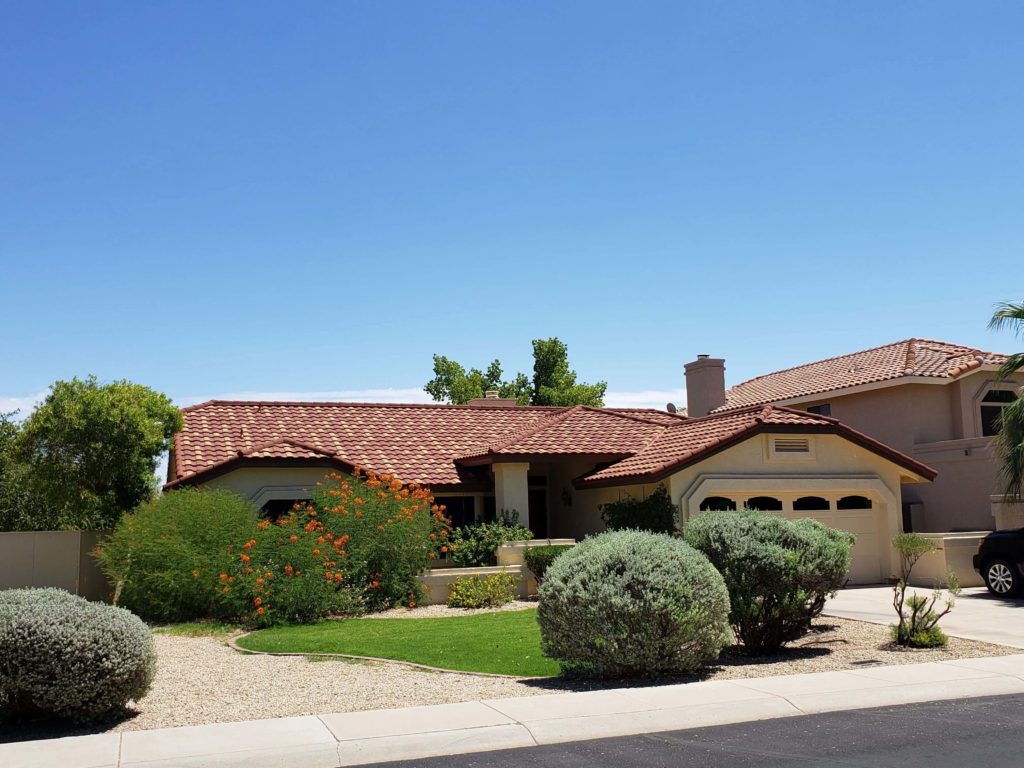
865 557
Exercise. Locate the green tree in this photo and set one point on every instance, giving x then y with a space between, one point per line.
1009 443
87 454
553 382
15 504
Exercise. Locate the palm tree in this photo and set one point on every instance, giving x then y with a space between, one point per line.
1009 442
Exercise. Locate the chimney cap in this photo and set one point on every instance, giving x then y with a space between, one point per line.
491 394
703 357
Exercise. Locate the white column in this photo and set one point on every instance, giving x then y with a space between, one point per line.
511 489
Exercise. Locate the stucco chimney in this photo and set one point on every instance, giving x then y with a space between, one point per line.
705 385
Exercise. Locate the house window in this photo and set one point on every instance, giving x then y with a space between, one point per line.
825 409
458 509
854 502
275 509
764 504
717 504
992 405
810 504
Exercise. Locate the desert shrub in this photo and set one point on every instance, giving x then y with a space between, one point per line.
779 572
628 603
164 558
392 532
539 559
918 619
289 572
656 513
482 591
64 656
477 545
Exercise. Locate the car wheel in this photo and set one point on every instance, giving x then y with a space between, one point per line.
1002 578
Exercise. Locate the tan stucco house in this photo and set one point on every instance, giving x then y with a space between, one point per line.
556 466
934 401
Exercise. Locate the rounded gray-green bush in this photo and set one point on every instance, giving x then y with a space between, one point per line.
779 572
631 603
65 656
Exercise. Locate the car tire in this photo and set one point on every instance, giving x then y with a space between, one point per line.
1002 578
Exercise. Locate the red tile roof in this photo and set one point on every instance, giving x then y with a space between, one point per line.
692 440
436 445
911 357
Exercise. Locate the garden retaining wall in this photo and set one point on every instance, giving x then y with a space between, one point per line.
53 559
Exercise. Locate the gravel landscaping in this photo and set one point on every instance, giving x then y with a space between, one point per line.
202 680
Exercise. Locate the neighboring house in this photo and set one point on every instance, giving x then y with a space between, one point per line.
934 401
557 466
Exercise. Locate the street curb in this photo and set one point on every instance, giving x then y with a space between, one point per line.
359 738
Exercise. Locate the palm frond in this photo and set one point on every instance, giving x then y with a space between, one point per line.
1009 445
1008 314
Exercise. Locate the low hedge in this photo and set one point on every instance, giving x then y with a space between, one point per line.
779 572
65 656
487 591
539 559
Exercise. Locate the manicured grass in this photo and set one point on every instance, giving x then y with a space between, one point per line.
197 629
506 643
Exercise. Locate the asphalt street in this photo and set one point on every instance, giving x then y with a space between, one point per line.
943 734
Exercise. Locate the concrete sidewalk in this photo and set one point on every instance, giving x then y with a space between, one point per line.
976 616
356 738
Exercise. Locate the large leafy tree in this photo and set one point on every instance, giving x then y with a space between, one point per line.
1009 442
85 456
553 381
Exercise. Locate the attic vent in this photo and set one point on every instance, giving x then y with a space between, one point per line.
792 445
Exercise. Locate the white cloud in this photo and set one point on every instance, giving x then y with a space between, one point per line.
392 395
647 398
23 405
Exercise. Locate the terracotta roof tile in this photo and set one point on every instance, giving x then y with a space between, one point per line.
692 439
415 442
430 443
911 357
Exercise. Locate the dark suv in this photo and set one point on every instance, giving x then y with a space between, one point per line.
999 561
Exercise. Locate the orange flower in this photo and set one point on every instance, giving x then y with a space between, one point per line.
412 603
258 602
294 537
288 569
245 558
259 611
223 577
444 549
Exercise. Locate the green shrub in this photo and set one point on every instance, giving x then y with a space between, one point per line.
64 656
539 559
477 545
656 513
779 572
391 532
289 572
627 603
482 591
918 616
164 559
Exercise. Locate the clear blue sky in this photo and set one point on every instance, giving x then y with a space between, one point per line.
216 198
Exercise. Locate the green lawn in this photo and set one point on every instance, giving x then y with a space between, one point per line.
506 643
197 629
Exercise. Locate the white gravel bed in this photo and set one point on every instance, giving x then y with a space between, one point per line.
201 680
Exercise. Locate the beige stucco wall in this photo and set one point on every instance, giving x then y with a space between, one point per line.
939 425
262 484
59 559
837 468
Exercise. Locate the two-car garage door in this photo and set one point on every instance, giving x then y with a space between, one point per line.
866 557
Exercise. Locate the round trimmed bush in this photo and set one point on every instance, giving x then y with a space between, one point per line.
779 572
632 603
65 656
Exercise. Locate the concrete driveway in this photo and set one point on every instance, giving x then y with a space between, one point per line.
977 615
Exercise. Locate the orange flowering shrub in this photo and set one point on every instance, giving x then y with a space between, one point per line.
390 532
287 572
